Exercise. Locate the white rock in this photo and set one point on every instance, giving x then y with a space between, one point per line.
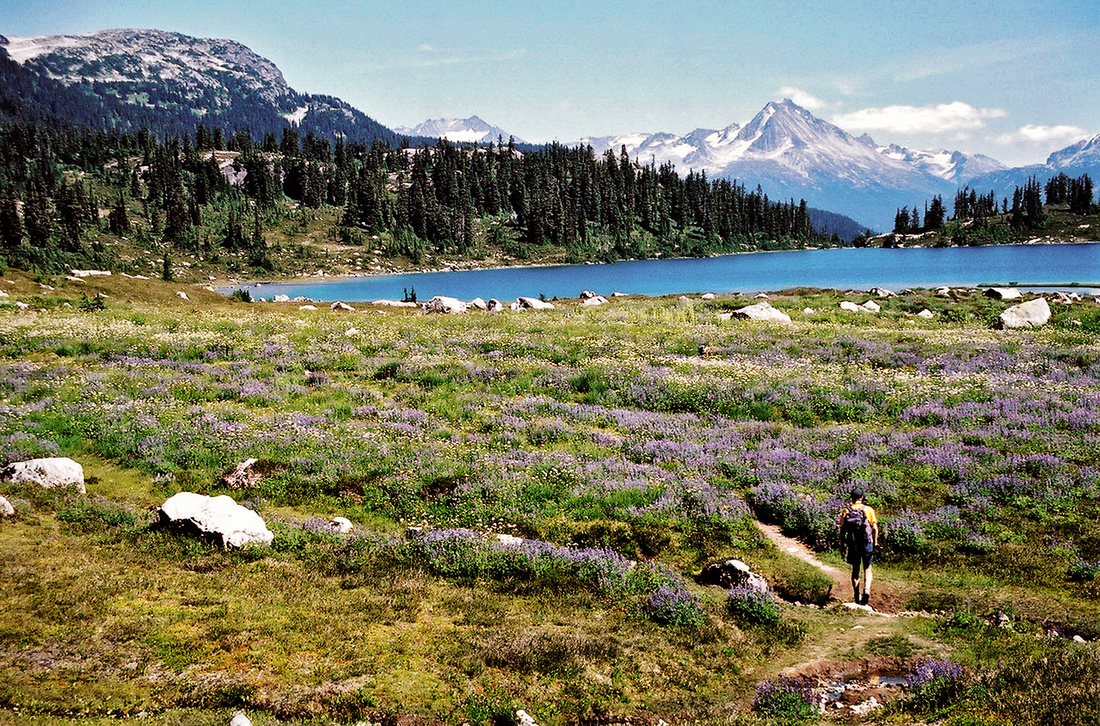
394 303
1030 314
926 313
444 304
220 517
351 332
341 307
870 306
808 311
587 294
525 719
495 306
342 525
883 292
307 307
243 476
182 295
1078 639
49 473
90 273
281 298
762 295
534 303
6 509
478 303
623 294
709 296
19 304
1003 293
4 294
240 720
762 311
943 292
596 300
849 306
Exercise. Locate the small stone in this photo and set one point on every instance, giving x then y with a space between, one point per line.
6 509
182 295
342 525
240 720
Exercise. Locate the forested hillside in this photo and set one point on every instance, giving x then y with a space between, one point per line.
239 204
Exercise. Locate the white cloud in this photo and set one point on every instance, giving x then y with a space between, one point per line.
1040 134
933 118
802 98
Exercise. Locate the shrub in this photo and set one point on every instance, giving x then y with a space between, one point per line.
753 606
933 684
674 606
791 699
241 295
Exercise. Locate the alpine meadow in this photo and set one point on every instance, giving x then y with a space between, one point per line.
596 509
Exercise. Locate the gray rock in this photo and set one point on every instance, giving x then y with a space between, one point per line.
731 573
1002 293
219 518
762 311
1030 314
48 473
6 509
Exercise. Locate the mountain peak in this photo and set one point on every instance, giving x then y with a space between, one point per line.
472 130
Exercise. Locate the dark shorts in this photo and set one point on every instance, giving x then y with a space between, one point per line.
857 557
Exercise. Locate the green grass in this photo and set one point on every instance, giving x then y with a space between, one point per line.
594 428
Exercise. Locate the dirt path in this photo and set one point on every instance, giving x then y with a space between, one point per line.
882 600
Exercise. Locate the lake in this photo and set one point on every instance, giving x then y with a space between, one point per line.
843 269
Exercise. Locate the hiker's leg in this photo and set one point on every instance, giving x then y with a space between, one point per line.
867 577
855 580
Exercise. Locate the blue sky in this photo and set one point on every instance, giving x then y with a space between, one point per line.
1011 79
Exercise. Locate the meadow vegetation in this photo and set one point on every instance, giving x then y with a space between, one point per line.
621 459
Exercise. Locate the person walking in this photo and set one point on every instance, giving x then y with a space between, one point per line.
859 531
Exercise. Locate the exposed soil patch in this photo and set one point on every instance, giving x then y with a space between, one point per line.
850 691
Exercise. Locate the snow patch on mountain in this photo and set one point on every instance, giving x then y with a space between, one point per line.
471 130
295 117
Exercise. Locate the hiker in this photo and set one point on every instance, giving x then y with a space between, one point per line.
859 531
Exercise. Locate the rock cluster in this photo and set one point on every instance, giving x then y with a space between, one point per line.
731 573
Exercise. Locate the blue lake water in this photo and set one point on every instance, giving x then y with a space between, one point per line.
842 269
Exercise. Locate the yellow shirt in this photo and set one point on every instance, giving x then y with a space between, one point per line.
872 519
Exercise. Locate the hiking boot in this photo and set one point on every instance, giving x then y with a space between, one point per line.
864 600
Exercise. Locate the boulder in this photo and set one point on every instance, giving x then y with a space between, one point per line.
762 311
731 573
342 525
587 294
219 518
762 295
709 296
808 311
6 509
240 720
478 303
525 719
341 307
533 303
1002 293
281 298
1030 314
243 476
444 304
48 473
870 307
596 300
182 295
495 306
883 292
926 314
943 292
850 306
307 307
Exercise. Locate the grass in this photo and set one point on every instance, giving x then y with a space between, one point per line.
580 428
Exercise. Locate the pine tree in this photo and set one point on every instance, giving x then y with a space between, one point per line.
11 226
118 220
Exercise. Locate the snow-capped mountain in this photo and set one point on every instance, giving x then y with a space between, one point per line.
791 153
471 130
165 80
1073 161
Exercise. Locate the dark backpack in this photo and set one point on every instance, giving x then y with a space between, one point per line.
856 528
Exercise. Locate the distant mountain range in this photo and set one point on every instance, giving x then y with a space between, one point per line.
460 131
168 82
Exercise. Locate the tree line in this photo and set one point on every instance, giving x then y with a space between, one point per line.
1025 211
209 194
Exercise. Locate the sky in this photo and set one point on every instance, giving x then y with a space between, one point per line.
1010 79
